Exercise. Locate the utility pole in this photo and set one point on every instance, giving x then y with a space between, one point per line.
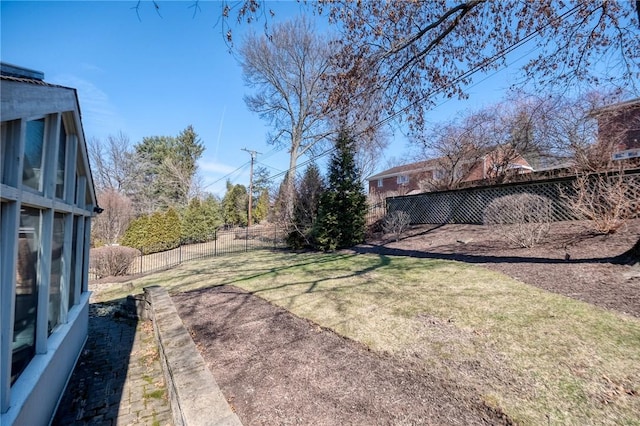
253 157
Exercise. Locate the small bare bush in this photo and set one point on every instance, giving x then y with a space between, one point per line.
111 261
607 201
521 218
396 223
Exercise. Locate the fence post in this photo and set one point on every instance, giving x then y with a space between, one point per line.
275 235
215 243
141 254
180 253
246 239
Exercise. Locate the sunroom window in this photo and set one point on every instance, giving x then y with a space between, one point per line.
62 152
34 146
24 328
55 296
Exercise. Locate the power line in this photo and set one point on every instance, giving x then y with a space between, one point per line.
268 166
253 154
227 175
461 77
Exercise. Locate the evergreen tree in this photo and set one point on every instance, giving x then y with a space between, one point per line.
135 235
261 206
305 207
167 167
192 217
200 220
154 233
260 201
168 234
341 216
213 214
235 204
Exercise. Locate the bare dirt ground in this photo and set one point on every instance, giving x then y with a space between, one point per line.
276 368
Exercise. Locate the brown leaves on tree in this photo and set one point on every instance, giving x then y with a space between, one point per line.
418 51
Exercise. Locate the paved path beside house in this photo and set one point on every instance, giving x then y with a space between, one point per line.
118 379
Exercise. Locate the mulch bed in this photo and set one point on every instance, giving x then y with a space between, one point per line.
278 369
275 368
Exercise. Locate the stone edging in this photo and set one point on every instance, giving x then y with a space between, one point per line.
194 394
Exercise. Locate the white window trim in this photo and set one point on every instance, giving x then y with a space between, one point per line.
402 179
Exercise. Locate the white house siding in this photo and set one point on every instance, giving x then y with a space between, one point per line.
47 200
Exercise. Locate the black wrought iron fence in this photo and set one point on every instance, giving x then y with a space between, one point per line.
223 241
375 212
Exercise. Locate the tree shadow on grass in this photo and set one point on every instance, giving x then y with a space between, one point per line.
258 271
310 285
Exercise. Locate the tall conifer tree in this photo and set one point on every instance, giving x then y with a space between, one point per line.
305 207
341 218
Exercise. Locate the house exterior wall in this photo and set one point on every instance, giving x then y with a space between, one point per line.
49 374
633 134
621 123
483 168
479 171
390 183
46 204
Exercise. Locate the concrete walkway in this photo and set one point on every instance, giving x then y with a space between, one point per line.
118 379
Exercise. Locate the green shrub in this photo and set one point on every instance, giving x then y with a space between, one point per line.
200 221
135 235
155 233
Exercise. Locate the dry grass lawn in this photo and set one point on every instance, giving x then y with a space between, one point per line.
540 357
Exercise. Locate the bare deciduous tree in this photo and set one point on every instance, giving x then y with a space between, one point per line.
112 162
372 140
109 226
417 52
188 183
546 131
456 147
286 69
568 130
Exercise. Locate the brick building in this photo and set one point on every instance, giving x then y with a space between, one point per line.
410 177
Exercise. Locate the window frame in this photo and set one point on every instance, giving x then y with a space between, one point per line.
53 204
402 179
39 189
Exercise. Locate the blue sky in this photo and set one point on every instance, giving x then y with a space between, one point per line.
155 75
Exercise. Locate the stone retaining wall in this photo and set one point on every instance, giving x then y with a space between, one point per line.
194 394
